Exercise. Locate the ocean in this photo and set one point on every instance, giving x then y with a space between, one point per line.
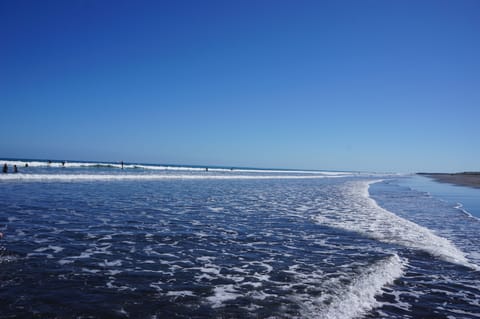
93 240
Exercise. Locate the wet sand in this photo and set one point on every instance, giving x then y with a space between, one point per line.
470 179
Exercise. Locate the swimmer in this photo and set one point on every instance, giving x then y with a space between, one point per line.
5 168
15 169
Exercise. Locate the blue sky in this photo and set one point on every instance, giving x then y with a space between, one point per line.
346 85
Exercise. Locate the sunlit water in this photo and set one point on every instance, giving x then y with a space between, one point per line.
100 242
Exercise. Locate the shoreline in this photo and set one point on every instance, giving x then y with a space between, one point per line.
469 179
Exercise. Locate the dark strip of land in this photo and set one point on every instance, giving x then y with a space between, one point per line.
470 179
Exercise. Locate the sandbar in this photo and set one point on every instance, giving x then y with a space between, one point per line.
470 179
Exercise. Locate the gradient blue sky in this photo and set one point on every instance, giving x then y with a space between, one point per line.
346 85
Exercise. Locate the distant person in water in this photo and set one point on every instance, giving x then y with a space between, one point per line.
15 169
63 163
122 164
26 164
5 168
206 169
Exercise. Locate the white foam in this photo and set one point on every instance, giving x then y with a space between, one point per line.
459 206
113 263
90 271
55 249
144 177
356 211
49 256
210 269
111 285
65 261
222 294
157 285
358 297
7 259
207 259
215 209
123 313
182 293
21 163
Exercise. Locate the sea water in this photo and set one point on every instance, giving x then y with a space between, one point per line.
465 198
90 240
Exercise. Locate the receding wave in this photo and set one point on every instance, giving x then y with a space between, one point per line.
460 207
355 211
357 297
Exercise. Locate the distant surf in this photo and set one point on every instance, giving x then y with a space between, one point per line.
30 170
146 177
156 167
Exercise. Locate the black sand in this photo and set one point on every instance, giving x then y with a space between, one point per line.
470 179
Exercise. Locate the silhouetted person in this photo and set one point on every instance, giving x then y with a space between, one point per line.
15 169
206 169
26 164
63 163
5 168
122 164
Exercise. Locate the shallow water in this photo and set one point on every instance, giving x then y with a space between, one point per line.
219 245
466 198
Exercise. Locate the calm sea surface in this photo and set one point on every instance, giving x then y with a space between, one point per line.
91 240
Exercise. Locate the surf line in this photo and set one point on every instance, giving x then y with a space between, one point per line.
372 221
460 207
115 177
358 297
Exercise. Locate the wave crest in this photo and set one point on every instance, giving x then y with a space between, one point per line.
358 297
356 211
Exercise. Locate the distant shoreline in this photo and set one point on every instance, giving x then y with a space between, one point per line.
470 179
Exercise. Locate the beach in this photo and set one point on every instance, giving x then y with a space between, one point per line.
470 179
151 241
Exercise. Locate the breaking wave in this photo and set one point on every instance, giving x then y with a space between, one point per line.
354 210
151 167
146 177
357 297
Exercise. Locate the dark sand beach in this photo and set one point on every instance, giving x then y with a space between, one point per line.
470 179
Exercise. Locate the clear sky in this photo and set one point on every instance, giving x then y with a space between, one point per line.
347 85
